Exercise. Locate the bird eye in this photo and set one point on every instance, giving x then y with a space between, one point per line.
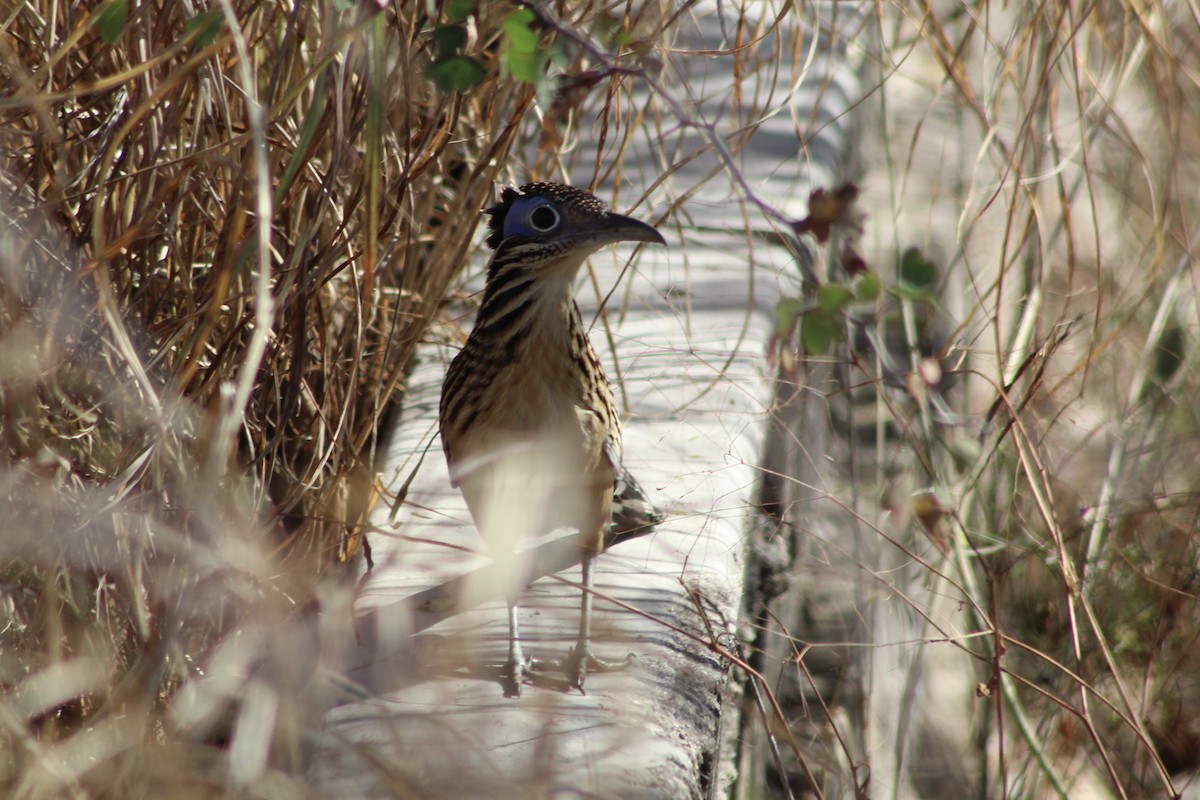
531 218
543 218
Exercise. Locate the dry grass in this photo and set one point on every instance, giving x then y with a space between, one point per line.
220 245
1043 155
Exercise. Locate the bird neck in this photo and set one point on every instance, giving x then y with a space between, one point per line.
530 306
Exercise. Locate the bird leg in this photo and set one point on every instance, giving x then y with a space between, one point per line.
580 660
513 672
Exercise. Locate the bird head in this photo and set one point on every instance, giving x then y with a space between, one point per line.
548 220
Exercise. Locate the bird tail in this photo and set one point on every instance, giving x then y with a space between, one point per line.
632 512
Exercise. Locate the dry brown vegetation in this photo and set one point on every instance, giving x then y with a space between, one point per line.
222 237
1044 155
221 244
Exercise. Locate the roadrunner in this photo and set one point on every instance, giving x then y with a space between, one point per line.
530 428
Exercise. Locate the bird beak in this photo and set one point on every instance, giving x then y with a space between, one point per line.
618 228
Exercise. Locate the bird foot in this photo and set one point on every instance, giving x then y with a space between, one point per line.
512 675
580 662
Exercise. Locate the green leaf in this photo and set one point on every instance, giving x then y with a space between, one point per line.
787 311
206 27
1169 352
522 56
558 54
456 73
833 297
818 331
449 39
866 286
111 20
907 291
518 28
525 67
313 115
916 270
458 10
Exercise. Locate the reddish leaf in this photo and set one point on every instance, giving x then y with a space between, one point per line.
852 261
827 209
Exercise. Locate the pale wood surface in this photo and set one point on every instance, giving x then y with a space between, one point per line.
697 400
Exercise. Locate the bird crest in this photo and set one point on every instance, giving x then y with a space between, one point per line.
571 201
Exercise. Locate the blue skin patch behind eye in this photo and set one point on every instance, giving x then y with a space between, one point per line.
531 217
